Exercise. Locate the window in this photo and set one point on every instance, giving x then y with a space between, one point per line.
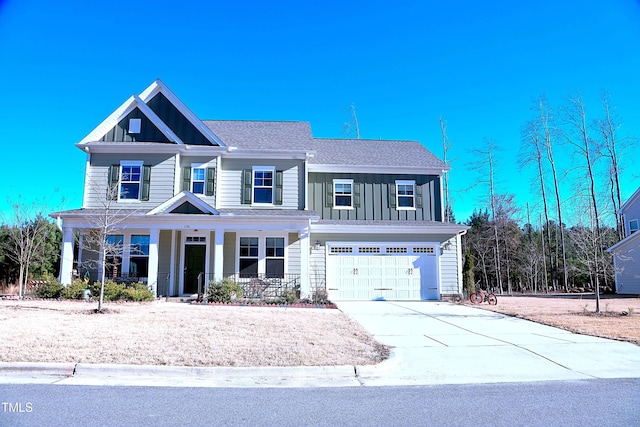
113 255
343 193
198 179
405 193
139 257
633 226
274 255
135 125
263 185
248 256
130 180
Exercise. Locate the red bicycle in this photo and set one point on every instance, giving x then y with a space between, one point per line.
482 296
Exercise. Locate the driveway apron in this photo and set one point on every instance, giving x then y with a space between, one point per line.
444 343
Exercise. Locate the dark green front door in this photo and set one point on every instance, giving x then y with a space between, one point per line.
194 256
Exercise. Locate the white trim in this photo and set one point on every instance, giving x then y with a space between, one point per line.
271 169
262 240
376 169
135 164
342 181
135 125
207 253
180 198
412 183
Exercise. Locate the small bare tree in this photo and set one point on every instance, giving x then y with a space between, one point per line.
352 127
27 234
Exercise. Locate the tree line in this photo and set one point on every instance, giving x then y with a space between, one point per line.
533 249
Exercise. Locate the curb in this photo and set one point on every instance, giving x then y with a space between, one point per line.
37 369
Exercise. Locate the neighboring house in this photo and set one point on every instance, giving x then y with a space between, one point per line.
204 200
626 253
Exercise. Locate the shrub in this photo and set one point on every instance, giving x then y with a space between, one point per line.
112 290
49 289
290 296
75 290
223 291
137 292
321 297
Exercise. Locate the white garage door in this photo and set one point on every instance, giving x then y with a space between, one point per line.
375 271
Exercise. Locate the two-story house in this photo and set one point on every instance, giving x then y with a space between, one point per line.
626 253
202 200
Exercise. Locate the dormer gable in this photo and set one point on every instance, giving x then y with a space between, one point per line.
132 121
156 115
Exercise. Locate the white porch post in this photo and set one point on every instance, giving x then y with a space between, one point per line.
218 257
152 277
304 263
66 266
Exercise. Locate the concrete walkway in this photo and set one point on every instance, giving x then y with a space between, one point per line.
434 343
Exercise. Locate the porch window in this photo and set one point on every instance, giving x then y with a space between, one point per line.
274 257
113 249
248 256
139 259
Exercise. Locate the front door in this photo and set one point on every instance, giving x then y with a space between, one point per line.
194 263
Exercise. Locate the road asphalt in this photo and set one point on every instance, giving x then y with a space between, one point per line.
433 343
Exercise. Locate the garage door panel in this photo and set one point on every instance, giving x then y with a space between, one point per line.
399 274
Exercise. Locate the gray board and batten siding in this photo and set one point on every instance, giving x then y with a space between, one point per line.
176 121
148 130
373 192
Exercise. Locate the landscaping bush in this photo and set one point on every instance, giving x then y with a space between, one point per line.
49 289
137 292
75 290
112 290
223 291
290 296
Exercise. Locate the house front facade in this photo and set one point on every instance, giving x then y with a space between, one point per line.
187 201
626 253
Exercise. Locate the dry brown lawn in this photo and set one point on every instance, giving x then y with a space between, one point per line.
164 333
619 316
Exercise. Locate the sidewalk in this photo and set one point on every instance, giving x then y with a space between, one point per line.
434 343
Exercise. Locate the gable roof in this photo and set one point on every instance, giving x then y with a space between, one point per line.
178 201
635 197
141 102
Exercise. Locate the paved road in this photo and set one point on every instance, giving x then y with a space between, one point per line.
612 402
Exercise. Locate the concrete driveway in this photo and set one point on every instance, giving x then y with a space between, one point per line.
443 343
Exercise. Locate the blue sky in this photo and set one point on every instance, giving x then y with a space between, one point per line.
66 65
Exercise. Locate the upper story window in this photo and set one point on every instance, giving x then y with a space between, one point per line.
633 226
343 193
262 185
130 180
405 194
198 179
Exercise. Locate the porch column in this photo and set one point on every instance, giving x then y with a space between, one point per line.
66 262
218 258
152 277
304 264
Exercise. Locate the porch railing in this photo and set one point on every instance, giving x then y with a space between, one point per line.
257 286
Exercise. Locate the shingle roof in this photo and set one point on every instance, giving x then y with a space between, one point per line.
297 136
374 152
262 134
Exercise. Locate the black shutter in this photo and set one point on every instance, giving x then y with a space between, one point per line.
146 182
247 185
419 203
211 182
114 179
278 188
328 196
186 179
392 195
356 194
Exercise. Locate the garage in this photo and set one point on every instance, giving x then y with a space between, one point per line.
390 271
